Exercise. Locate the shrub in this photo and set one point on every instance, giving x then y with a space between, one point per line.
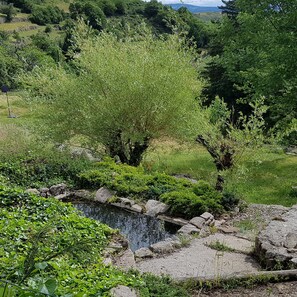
43 15
30 162
184 198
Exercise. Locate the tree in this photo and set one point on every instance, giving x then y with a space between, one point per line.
259 55
9 12
225 140
126 94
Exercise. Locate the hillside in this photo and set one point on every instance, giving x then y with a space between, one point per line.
194 8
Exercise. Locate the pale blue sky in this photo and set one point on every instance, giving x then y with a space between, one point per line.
193 2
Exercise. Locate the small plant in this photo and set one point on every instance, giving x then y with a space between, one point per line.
219 246
184 240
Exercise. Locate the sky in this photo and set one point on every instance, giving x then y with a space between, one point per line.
193 2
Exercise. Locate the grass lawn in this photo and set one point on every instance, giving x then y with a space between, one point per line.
17 107
18 26
265 177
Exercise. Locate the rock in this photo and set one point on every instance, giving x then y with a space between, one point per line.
83 194
210 222
198 222
123 291
228 229
44 192
107 261
207 216
176 221
218 223
103 194
32 191
291 240
188 229
294 262
162 247
154 208
126 201
136 208
143 253
63 196
187 177
291 150
57 189
126 261
82 152
276 243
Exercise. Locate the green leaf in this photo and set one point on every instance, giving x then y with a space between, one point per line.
41 265
51 285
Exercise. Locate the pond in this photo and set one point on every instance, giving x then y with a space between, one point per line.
140 230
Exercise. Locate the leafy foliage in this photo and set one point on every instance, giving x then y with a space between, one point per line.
28 161
47 245
185 198
43 15
150 77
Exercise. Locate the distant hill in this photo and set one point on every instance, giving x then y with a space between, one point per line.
194 8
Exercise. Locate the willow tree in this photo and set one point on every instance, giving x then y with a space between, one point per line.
122 94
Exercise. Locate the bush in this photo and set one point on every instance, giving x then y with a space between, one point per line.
30 162
185 198
42 15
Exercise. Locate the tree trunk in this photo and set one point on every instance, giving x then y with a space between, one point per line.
223 157
136 152
220 183
130 152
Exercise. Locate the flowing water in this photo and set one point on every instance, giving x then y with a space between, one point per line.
141 230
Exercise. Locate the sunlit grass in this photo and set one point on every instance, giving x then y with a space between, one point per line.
264 176
17 26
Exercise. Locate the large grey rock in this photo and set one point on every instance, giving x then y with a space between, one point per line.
123 291
58 189
162 247
83 194
275 245
143 253
103 194
207 216
154 207
136 208
291 240
63 196
198 222
126 261
188 230
175 221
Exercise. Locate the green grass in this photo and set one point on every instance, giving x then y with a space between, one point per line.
219 246
17 26
18 108
265 176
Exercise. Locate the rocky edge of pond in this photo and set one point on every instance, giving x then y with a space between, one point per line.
197 226
275 245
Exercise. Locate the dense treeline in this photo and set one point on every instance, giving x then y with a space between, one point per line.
249 55
254 54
